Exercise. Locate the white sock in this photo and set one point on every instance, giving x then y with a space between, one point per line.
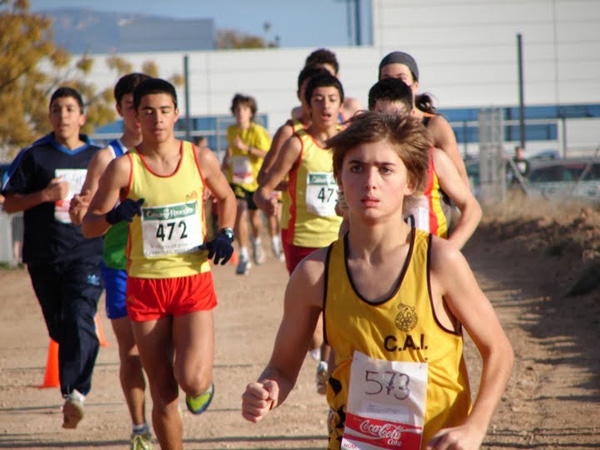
315 353
276 241
76 395
244 253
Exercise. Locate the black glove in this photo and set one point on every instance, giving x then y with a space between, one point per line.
221 248
126 210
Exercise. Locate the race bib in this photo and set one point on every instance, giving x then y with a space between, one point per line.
418 213
75 178
171 229
386 404
321 194
242 170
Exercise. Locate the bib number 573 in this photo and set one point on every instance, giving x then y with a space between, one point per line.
396 384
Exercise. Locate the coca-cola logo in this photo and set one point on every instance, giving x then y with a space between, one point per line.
383 431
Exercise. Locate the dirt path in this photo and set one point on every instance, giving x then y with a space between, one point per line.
553 400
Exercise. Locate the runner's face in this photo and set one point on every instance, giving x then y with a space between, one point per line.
157 115
242 114
66 118
325 105
374 181
127 112
400 71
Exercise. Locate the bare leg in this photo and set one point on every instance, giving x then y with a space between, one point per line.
257 225
131 373
154 340
193 336
241 224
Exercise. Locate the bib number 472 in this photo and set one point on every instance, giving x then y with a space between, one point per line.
165 231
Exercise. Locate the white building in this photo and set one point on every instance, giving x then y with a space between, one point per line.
467 56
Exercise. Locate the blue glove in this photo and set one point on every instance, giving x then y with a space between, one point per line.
126 210
221 248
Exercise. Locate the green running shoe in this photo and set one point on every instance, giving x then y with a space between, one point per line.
197 405
141 441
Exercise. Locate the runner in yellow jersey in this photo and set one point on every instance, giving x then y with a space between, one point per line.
248 145
281 136
313 222
396 301
170 293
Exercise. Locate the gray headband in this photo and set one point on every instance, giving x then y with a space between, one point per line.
400 58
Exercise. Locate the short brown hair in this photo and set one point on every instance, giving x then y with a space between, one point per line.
407 136
246 100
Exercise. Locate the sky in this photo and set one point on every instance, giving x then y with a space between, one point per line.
324 23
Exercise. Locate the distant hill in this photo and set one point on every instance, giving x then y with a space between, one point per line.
83 30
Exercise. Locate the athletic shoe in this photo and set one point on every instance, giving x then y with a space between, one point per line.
277 251
257 254
243 267
322 378
141 441
73 410
197 405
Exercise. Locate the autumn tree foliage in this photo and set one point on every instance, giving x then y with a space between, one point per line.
32 66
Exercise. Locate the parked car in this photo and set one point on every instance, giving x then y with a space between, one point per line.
551 177
549 153
565 178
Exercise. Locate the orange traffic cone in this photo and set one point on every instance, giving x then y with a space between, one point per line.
51 376
100 332
235 259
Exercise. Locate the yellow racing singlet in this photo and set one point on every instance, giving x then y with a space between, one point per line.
244 168
401 328
313 191
163 240
286 201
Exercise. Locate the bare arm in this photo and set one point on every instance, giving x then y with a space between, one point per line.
461 196
251 151
453 282
444 138
303 304
112 183
281 135
81 202
283 164
219 187
56 190
225 163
